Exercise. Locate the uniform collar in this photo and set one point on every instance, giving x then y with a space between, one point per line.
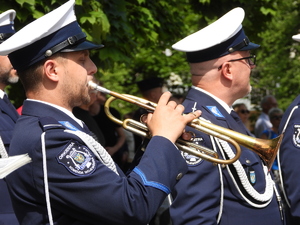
70 114
221 102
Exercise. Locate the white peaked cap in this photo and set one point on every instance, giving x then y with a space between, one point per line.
40 28
7 24
215 33
296 37
221 37
7 17
57 31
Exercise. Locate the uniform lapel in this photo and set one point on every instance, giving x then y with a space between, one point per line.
7 107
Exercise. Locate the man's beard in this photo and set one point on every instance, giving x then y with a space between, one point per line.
78 100
7 78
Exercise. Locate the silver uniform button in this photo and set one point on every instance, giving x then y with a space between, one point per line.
179 176
248 161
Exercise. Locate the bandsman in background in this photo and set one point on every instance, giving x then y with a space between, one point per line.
221 62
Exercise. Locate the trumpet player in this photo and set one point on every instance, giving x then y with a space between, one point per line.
72 179
221 61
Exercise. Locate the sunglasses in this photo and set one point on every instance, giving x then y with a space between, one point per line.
276 117
243 111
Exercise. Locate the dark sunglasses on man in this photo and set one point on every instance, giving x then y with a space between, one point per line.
276 117
244 111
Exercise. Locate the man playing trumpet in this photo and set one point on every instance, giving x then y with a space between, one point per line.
72 179
243 192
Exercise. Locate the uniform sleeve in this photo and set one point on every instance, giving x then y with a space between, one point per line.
100 196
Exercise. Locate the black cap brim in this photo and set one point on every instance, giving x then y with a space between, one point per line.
86 45
250 46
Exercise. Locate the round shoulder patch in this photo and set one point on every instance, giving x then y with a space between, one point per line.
77 158
296 135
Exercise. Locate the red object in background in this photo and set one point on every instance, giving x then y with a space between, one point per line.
19 110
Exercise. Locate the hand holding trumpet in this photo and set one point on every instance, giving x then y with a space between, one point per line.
167 119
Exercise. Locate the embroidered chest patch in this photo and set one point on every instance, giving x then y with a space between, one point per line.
189 158
77 158
296 135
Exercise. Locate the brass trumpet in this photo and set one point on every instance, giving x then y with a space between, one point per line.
266 149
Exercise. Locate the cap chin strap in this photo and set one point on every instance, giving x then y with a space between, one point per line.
73 40
242 44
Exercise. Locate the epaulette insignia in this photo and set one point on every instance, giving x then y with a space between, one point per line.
215 111
68 125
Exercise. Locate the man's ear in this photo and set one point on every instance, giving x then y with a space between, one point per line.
227 71
51 70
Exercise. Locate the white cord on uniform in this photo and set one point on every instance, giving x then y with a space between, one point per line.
221 183
3 152
265 197
46 179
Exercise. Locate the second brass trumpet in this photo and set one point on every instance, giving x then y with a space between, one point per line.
266 149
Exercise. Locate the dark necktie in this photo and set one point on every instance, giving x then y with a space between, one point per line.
85 128
239 121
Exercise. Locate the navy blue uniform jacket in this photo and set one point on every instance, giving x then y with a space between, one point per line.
99 197
289 155
8 119
197 196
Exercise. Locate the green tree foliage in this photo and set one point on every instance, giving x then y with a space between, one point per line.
138 33
278 67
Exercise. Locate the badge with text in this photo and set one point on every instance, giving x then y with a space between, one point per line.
191 159
78 159
296 135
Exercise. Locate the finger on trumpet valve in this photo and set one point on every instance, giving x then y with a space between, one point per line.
143 118
188 135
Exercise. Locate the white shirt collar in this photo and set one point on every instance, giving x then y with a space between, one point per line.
2 93
221 102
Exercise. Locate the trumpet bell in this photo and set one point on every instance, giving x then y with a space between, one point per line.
266 149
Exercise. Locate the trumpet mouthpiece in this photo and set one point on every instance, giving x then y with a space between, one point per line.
94 86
